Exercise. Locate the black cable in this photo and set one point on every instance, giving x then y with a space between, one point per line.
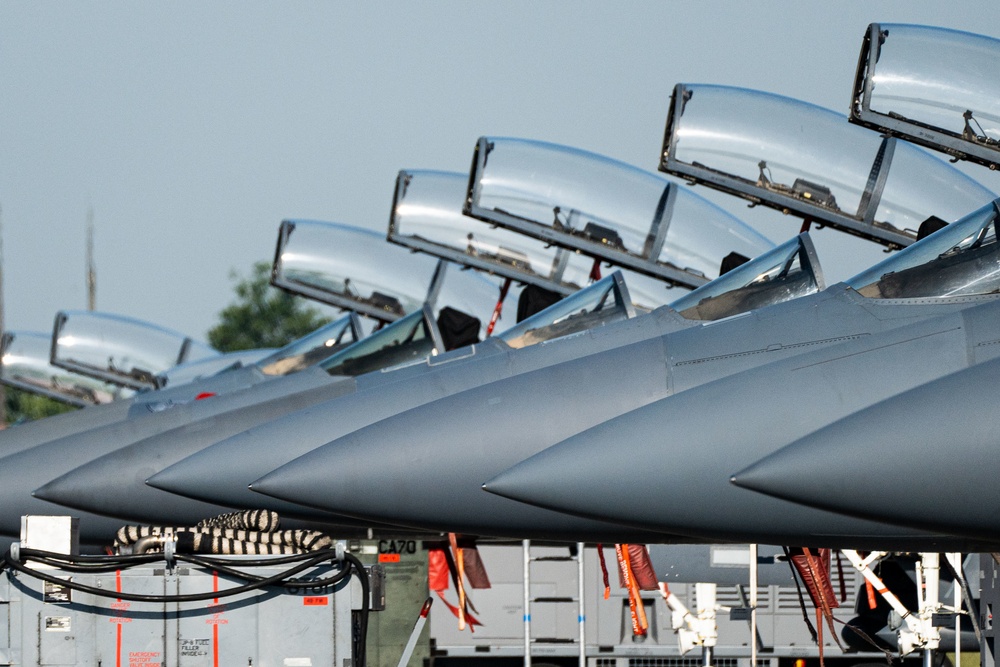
223 568
190 597
361 641
95 559
284 579
70 566
268 560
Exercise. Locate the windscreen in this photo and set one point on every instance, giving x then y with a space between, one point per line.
311 348
203 368
962 259
789 271
406 339
921 79
601 303
24 364
806 160
605 208
119 349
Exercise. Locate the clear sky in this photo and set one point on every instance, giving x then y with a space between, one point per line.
193 128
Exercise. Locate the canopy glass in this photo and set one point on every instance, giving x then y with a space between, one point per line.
789 271
806 161
355 269
963 259
932 86
427 216
119 349
24 364
603 302
604 208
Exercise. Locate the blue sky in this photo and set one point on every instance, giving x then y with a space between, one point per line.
193 128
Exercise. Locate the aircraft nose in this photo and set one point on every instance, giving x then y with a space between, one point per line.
182 478
590 471
823 464
893 460
86 487
220 472
344 477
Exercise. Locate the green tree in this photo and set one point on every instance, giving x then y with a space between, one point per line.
262 316
25 406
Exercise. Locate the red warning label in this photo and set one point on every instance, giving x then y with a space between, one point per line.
316 601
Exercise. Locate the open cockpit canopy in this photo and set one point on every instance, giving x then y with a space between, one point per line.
809 162
427 217
960 260
339 265
935 87
605 209
118 349
355 269
24 364
789 271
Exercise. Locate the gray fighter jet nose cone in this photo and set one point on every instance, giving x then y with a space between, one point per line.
301 481
912 459
65 490
173 478
804 472
566 476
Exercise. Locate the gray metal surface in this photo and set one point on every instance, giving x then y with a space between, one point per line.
682 450
924 458
112 484
31 466
433 459
249 455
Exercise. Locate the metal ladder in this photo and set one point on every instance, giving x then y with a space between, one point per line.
528 599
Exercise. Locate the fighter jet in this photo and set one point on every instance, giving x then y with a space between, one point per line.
923 458
511 186
601 304
218 422
660 202
248 406
684 475
164 410
300 265
487 429
504 355
787 272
